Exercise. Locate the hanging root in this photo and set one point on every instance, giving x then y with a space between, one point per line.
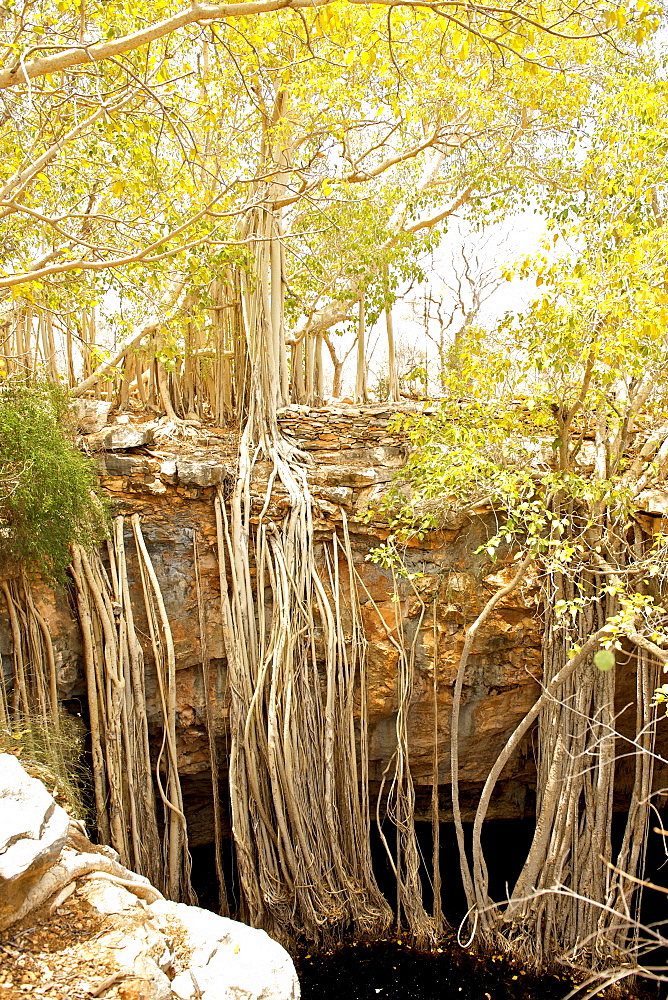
298 780
569 904
300 816
114 663
211 737
30 718
400 798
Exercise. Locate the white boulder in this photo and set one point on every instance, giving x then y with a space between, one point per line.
33 829
185 952
229 961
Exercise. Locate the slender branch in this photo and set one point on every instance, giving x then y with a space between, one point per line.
454 723
23 176
23 72
170 299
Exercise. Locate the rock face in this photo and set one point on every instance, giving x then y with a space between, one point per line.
351 454
33 830
95 936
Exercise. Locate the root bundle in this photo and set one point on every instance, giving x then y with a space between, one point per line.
114 661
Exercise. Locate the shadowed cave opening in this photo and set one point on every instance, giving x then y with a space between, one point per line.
386 970
506 842
389 970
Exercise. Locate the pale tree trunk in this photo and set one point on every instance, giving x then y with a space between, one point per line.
337 365
310 369
336 381
393 381
297 372
276 309
319 372
361 394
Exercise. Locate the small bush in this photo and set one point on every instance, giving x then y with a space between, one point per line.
47 487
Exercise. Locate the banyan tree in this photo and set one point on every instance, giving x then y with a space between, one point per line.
282 205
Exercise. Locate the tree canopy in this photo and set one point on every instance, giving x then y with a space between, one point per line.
134 156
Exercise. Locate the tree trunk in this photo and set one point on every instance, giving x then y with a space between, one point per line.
361 395
393 381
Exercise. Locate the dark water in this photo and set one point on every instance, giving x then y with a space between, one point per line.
388 971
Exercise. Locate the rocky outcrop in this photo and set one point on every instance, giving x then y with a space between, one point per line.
352 454
33 831
169 477
104 931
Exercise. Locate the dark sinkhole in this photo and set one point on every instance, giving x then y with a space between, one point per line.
389 970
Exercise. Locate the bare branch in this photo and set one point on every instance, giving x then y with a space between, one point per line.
153 323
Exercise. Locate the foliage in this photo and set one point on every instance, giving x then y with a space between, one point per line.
117 171
541 419
47 498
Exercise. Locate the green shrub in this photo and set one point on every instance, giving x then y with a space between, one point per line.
47 486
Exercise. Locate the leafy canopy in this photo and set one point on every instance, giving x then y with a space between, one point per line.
550 419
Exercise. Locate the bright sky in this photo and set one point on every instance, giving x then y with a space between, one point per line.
488 251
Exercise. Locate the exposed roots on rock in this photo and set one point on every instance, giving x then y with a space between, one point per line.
570 902
296 653
72 867
114 662
31 721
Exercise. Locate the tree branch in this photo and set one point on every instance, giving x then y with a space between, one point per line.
171 298
22 177
22 71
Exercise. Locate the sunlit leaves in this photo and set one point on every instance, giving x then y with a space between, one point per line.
363 83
